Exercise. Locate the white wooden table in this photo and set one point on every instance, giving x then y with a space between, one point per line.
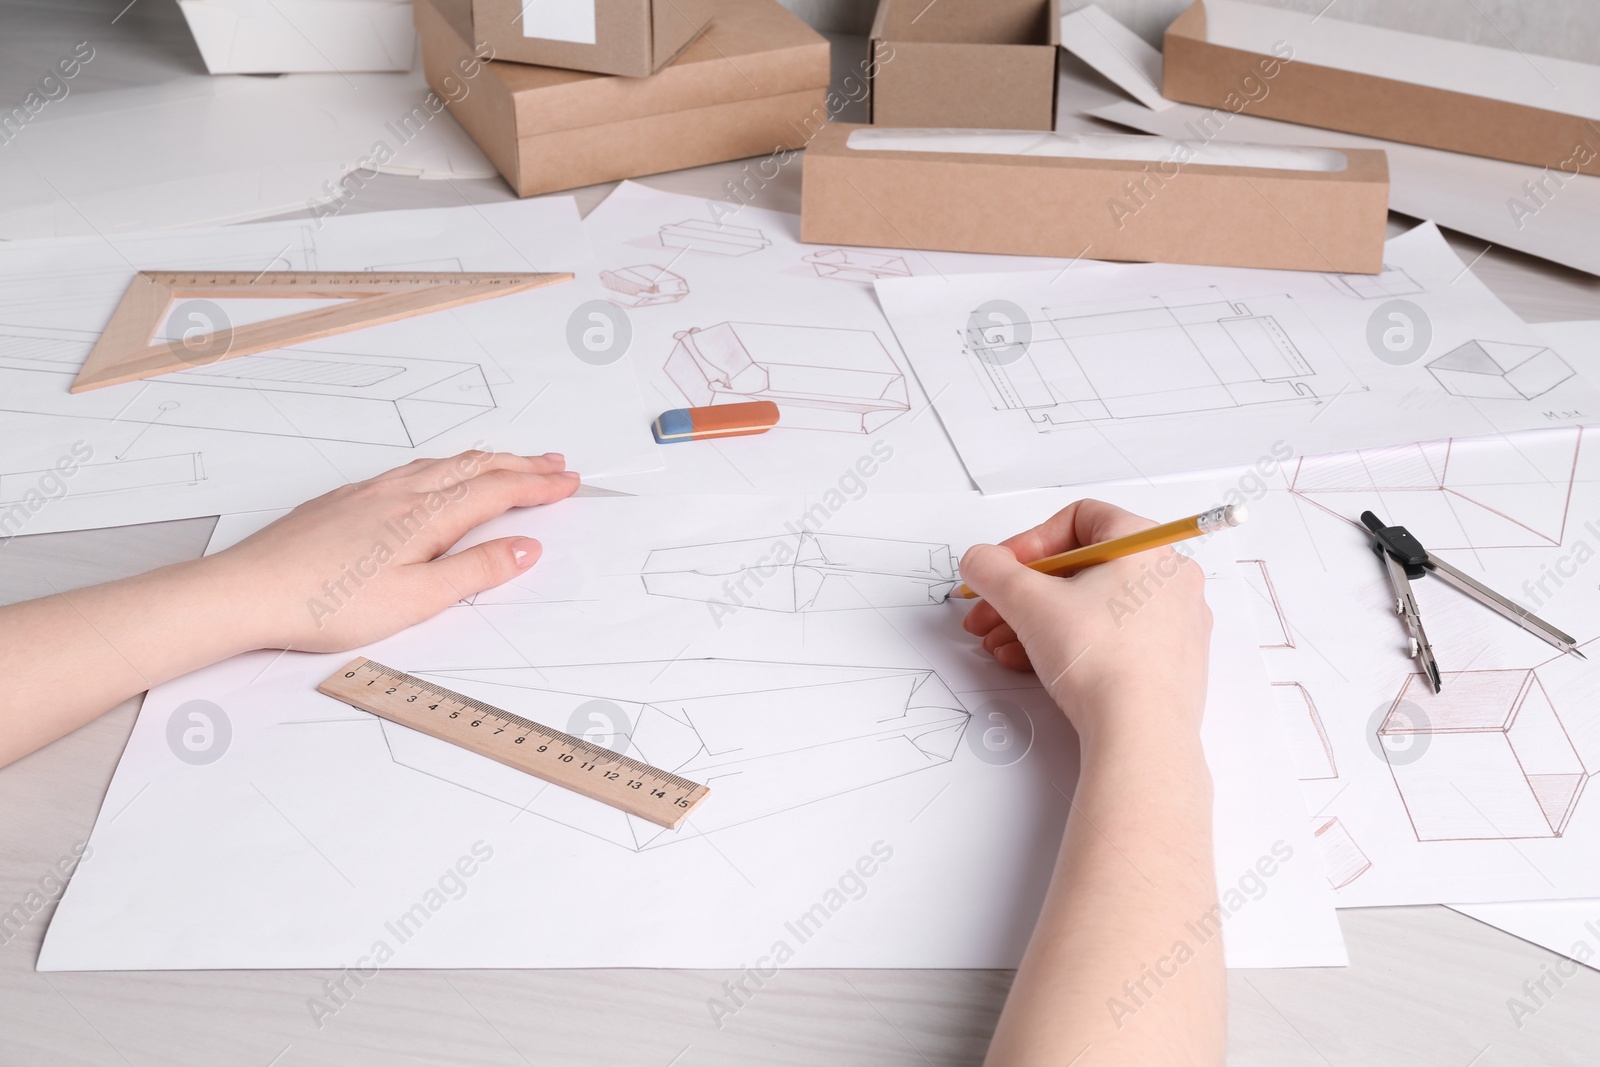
1426 986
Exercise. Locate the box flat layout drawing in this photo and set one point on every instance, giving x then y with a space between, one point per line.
1040 205
989 65
754 83
1320 71
629 37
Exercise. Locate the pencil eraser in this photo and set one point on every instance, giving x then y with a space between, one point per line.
718 420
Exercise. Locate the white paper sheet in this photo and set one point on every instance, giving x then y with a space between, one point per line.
274 429
275 36
1482 792
318 825
1571 927
1117 372
807 320
213 150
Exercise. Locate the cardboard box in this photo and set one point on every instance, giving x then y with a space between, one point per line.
975 65
1405 87
756 82
629 37
1116 209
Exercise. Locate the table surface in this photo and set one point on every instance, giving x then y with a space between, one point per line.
1425 986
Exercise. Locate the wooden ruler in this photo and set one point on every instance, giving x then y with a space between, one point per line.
637 788
124 352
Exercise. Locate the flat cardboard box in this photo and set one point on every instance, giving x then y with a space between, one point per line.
756 82
635 38
1482 101
1028 205
975 64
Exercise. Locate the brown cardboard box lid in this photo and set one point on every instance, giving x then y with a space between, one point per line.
1405 87
753 49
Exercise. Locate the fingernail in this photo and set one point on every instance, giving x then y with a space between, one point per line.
554 457
525 551
570 474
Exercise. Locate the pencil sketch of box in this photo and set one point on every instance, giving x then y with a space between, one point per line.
767 737
1342 858
857 265
644 285
805 572
1487 758
1499 370
714 239
820 377
325 396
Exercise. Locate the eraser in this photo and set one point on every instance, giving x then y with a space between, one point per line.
718 420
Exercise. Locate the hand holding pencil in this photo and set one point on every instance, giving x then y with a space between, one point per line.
1124 643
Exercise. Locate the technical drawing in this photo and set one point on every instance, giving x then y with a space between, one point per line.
821 378
805 572
1499 370
110 476
857 265
331 396
1457 494
1341 856
644 285
1313 753
712 238
1151 359
1272 626
1392 282
1499 764
766 737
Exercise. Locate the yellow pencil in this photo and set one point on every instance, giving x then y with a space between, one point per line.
1170 533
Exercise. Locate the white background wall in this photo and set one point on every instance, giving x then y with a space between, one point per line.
1566 28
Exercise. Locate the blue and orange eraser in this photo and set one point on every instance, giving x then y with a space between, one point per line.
720 420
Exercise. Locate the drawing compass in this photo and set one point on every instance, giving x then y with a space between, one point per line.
1404 558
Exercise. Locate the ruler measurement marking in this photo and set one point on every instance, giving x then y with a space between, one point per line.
386 686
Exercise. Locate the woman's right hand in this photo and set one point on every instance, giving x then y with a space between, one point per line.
1119 643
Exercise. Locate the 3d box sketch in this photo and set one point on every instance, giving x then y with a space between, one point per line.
1150 360
1392 282
805 572
821 378
713 239
1457 494
1499 370
857 264
644 285
326 396
766 737
1498 763
112 476
1308 738
1341 856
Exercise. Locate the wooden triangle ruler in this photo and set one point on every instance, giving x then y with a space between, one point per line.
124 352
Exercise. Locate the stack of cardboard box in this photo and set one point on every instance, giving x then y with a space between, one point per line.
566 93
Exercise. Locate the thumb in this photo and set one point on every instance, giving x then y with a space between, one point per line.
472 570
1013 589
